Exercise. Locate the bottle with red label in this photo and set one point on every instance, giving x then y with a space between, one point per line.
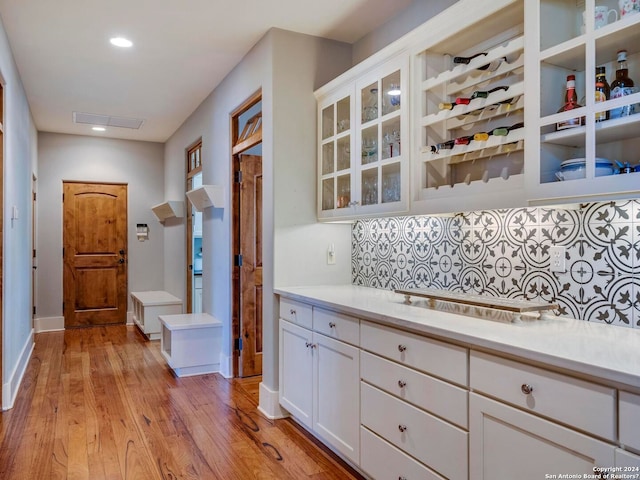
570 103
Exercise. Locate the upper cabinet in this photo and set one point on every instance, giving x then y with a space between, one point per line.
587 152
362 124
468 112
468 122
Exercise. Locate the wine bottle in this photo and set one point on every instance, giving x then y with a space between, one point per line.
499 131
602 92
622 86
463 140
485 94
448 145
491 66
570 103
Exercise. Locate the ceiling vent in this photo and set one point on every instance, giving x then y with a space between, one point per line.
107 120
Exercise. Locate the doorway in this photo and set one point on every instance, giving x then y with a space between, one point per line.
94 252
246 138
194 231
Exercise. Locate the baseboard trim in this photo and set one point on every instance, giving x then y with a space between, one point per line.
226 366
48 324
269 403
130 318
10 389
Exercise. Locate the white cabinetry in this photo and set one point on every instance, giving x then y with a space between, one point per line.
319 376
507 443
468 118
363 166
566 46
517 442
406 407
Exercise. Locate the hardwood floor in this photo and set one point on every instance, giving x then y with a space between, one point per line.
100 403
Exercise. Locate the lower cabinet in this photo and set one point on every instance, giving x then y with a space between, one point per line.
507 443
319 386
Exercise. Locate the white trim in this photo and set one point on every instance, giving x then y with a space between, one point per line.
10 389
130 318
48 324
269 404
226 366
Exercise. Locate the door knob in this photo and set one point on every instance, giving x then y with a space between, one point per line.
121 260
121 252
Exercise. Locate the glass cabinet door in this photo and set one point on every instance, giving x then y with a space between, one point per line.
381 164
335 155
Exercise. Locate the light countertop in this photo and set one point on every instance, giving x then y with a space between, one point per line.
592 349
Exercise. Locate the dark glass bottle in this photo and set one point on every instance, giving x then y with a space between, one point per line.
603 92
622 86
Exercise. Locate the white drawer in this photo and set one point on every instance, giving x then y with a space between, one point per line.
384 461
431 356
438 444
338 326
629 411
628 460
296 312
577 403
441 398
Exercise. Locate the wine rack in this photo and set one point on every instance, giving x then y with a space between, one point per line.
456 176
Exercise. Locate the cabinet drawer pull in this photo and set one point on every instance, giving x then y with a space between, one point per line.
402 383
310 345
402 348
402 428
332 325
402 478
292 312
526 388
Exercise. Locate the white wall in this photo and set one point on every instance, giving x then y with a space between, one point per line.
20 143
288 67
406 20
93 159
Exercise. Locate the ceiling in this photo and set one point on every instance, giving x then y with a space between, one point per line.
182 50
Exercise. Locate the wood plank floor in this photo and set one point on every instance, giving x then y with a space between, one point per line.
100 403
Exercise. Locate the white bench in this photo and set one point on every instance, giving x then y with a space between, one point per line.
148 306
191 343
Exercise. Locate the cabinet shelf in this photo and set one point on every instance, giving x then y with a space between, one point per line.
170 209
506 69
470 71
569 54
207 196
496 145
610 38
515 91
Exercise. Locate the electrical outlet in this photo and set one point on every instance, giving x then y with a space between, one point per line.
558 259
331 254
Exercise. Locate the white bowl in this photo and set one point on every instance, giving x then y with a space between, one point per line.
575 168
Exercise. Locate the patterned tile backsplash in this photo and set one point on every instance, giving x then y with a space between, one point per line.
505 253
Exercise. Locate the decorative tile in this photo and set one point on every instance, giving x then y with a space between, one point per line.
505 253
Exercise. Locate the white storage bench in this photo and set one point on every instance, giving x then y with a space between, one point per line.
148 306
191 343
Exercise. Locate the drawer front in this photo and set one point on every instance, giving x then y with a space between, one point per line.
338 326
438 444
629 411
296 312
441 398
382 460
577 403
431 356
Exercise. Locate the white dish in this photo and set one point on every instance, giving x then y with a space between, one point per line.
575 168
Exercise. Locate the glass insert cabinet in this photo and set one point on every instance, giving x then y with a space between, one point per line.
363 168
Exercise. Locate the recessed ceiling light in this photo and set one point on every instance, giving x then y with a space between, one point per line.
121 42
99 129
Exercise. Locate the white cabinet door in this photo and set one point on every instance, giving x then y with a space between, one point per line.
336 408
296 368
506 443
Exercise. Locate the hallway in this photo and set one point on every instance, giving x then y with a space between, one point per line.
100 403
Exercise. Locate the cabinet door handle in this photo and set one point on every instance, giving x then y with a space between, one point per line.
526 388
402 348
292 311
332 325
402 478
402 428
402 383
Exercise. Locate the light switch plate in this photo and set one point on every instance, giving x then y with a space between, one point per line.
331 254
558 259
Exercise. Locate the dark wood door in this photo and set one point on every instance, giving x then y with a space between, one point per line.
94 242
251 269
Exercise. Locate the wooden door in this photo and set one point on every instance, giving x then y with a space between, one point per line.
94 250
251 265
